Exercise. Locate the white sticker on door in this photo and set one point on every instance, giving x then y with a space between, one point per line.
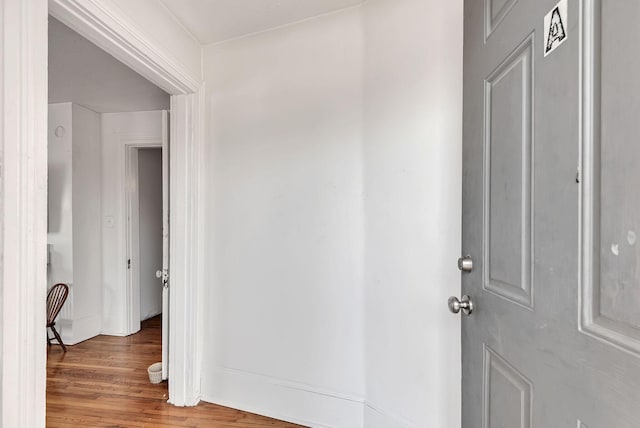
555 27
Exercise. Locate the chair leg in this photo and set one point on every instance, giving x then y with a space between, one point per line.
58 338
48 338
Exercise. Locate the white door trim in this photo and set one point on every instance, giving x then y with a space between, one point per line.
23 175
132 229
132 245
185 279
23 209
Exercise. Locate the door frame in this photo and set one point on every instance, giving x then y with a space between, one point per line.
23 205
127 44
132 229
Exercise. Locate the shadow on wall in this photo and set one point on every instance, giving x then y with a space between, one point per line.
56 187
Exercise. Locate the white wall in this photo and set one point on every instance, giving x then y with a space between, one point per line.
87 242
2 199
74 207
82 73
412 164
118 131
334 160
285 332
150 230
60 191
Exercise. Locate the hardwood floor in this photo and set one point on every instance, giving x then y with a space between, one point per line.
103 382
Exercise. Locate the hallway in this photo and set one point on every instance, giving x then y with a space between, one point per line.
103 382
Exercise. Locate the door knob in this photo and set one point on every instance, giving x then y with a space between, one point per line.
465 264
164 275
466 305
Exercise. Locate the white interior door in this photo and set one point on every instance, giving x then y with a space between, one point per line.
165 244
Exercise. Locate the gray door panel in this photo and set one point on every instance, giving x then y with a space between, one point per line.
554 339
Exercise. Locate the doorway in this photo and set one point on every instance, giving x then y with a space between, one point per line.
149 207
108 173
159 64
25 172
139 141
99 111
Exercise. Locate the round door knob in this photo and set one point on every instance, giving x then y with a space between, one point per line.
158 274
465 264
465 305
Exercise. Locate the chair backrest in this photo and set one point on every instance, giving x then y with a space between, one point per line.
56 297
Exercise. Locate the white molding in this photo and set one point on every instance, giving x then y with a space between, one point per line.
132 245
294 402
184 288
24 207
104 27
199 264
377 417
79 330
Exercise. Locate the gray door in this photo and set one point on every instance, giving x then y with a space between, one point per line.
551 216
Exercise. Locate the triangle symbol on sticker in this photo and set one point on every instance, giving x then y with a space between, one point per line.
557 31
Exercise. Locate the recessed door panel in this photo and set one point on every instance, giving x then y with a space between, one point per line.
507 193
507 394
495 12
611 281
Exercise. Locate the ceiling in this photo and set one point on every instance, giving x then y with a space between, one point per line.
212 21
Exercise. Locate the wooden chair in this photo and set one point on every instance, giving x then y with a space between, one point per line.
56 297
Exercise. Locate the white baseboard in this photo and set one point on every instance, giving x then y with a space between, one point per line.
284 400
376 417
65 328
76 331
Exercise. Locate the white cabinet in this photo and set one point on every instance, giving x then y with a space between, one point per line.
74 213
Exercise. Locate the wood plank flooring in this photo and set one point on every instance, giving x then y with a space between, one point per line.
103 382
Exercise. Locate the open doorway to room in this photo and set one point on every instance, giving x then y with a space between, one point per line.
107 222
147 201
